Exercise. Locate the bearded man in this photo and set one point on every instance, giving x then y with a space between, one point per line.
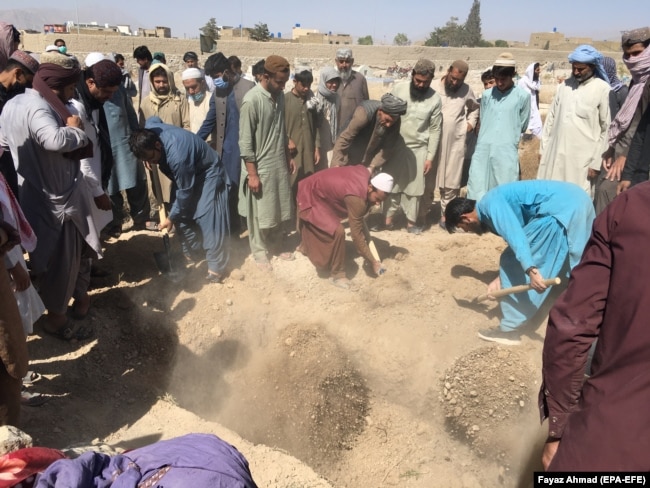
459 117
372 134
264 188
353 89
575 130
46 143
412 159
164 101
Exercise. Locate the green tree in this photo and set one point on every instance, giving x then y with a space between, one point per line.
365 41
401 40
260 32
451 34
500 43
472 27
210 29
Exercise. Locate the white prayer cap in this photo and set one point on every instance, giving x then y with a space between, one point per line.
191 74
51 48
383 182
505 59
93 58
344 53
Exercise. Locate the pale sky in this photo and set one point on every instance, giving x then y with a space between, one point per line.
382 19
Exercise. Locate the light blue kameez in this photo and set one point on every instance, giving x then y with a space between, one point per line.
504 117
546 224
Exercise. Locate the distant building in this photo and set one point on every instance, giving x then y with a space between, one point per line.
157 32
234 33
314 36
543 40
297 32
87 28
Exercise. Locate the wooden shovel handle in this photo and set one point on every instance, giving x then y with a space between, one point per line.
515 289
155 181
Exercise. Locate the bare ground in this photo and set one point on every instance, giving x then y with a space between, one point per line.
385 385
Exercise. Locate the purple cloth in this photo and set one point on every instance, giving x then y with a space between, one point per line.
194 460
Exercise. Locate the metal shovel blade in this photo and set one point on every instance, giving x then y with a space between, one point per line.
164 261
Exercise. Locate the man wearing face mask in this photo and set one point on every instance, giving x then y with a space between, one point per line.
198 99
14 79
575 131
636 56
222 124
191 60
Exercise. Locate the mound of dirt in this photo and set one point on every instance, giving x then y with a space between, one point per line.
486 394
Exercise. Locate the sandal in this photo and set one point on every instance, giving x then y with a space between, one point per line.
33 399
31 377
72 331
286 256
214 277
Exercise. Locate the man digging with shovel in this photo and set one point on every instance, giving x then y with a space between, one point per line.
546 225
200 204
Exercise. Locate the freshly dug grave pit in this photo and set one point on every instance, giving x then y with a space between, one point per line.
300 392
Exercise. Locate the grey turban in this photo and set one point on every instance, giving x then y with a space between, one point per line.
393 105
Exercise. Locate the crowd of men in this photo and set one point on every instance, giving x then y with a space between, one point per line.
258 157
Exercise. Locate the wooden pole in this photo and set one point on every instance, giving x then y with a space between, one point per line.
515 289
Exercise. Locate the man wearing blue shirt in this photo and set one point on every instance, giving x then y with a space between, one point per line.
546 225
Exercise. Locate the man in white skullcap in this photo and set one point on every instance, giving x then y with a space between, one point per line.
329 196
353 89
198 98
505 111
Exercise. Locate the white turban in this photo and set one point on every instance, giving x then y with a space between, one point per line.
93 58
383 182
191 74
